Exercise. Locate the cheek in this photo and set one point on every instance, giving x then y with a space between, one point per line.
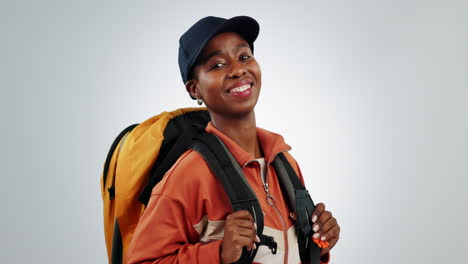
255 69
209 83
259 74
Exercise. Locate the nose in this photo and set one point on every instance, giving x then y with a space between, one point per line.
237 70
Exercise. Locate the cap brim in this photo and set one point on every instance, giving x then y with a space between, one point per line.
245 26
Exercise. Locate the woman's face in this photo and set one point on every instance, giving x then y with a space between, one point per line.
227 76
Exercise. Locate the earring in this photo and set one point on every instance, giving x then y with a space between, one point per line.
199 101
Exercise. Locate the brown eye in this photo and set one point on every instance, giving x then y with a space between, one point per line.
245 57
217 65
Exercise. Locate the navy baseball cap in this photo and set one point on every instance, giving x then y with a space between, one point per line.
192 42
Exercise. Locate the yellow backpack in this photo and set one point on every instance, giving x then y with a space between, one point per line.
125 181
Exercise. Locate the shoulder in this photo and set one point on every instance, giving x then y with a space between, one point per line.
191 183
291 159
190 172
294 165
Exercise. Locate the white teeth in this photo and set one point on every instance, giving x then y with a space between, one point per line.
240 88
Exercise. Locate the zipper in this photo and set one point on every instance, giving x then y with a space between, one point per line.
272 202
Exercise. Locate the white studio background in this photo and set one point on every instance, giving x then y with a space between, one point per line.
371 95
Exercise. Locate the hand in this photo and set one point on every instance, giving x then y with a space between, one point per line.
325 226
239 231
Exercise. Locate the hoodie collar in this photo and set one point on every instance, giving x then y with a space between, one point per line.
271 144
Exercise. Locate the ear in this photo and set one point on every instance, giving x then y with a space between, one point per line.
192 88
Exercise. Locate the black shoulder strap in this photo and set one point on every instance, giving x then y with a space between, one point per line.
303 207
178 135
230 174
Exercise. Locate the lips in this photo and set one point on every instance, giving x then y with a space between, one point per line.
240 87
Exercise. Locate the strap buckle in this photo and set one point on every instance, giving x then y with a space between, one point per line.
269 242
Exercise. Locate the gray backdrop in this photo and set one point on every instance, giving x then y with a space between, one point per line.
372 96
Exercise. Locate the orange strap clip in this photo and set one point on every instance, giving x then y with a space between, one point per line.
320 243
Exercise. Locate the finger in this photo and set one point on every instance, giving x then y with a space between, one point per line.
251 246
319 208
247 232
242 241
293 216
244 223
331 234
242 214
326 227
324 217
245 237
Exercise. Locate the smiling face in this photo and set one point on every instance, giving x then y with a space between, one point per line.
227 77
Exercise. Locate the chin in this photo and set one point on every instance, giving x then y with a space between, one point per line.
242 112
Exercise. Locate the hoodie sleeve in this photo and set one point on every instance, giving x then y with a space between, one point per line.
325 258
163 235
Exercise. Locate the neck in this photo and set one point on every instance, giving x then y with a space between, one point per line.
242 130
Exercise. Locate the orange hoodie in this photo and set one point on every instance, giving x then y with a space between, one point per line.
184 219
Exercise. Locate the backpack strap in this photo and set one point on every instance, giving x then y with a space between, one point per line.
303 207
241 195
178 136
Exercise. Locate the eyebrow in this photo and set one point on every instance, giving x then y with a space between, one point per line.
218 52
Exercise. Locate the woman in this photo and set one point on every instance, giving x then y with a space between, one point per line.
193 215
